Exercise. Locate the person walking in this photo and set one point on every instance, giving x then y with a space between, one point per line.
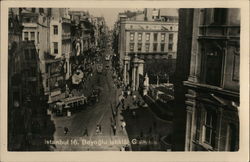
123 125
114 129
66 130
86 132
134 114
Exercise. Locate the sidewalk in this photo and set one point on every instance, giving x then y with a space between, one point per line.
145 127
121 133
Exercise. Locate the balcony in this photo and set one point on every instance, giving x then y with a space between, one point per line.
66 20
66 36
219 32
29 25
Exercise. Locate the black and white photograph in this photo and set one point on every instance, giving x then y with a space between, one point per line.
144 79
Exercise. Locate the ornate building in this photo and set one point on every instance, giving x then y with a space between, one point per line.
141 40
208 113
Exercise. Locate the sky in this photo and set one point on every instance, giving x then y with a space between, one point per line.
110 14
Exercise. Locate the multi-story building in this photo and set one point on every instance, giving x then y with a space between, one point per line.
207 102
50 29
141 41
58 66
25 90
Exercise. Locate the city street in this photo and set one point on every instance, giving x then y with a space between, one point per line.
120 79
101 113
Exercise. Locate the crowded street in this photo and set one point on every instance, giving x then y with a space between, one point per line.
107 112
90 79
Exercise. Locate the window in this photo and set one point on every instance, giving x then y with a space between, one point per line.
162 47
26 54
139 36
47 82
155 47
55 29
162 37
139 47
155 37
55 47
219 16
170 56
132 36
170 38
41 10
26 36
147 36
213 66
38 37
170 47
33 9
131 47
209 127
32 36
147 47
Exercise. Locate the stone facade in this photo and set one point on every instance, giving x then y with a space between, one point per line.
212 88
144 40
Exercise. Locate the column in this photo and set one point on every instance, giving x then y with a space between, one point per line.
195 53
137 78
188 141
125 73
133 78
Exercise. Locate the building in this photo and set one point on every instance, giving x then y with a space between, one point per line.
58 63
25 91
211 86
141 41
52 27
161 14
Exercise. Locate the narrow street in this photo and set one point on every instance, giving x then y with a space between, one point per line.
137 130
89 117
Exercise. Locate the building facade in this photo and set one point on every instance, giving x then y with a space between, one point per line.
50 30
212 88
58 64
142 40
26 99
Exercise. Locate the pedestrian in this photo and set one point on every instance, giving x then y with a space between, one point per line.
123 125
85 132
100 128
114 129
66 130
122 148
97 129
122 100
134 114
126 147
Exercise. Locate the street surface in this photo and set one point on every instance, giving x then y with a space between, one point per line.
138 131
